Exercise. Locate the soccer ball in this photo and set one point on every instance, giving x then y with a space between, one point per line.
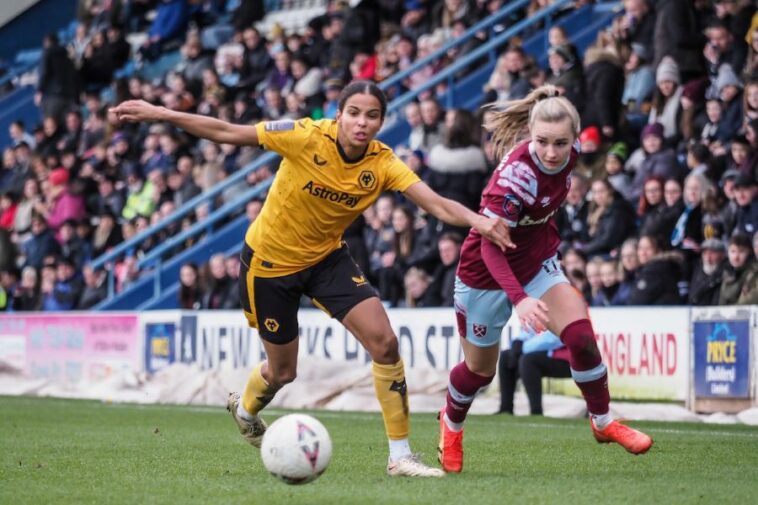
296 448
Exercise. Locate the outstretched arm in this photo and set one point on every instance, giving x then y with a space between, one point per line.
206 127
452 212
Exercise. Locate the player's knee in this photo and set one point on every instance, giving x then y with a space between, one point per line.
282 376
384 349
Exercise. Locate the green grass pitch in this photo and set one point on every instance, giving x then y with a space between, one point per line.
67 451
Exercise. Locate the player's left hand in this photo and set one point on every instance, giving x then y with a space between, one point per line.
496 231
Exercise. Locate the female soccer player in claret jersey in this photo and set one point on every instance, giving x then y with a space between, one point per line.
536 140
331 171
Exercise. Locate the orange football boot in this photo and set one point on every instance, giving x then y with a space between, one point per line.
450 449
630 439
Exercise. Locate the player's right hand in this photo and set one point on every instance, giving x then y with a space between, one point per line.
533 314
134 111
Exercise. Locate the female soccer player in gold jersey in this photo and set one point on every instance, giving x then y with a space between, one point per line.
332 170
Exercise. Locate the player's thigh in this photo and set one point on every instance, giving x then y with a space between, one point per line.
482 315
369 323
565 305
270 304
337 285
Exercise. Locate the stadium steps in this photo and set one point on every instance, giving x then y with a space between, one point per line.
159 290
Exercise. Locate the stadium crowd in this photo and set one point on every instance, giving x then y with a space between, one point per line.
662 208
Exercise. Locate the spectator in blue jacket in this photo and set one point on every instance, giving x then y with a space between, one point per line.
41 244
169 25
531 357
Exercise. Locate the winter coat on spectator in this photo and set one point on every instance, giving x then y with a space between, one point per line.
606 296
639 88
669 116
39 246
256 64
25 299
219 294
7 250
731 117
77 250
689 225
740 286
625 289
656 281
676 34
66 206
192 69
57 81
622 183
171 19
247 13
92 295
615 225
65 295
746 219
571 79
704 288
97 69
572 222
604 76
662 164
443 285
661 220
457 173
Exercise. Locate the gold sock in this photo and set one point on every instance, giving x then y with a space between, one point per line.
391 391
258 393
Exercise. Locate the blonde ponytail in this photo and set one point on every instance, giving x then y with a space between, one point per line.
510 121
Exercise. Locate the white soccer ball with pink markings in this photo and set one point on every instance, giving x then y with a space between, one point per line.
296 448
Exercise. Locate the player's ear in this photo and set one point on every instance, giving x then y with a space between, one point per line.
338 115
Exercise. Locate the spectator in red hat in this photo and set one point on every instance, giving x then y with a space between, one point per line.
591 161
60 203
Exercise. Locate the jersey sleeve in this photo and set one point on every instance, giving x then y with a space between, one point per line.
514 188
399 176
286 137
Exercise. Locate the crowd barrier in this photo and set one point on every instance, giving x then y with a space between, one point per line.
676 354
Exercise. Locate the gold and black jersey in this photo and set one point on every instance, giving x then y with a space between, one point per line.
316 194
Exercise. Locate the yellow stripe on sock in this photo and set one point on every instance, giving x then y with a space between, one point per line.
391 391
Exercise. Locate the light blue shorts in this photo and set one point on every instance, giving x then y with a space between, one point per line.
483 313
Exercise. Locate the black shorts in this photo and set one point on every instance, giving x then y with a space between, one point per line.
335 285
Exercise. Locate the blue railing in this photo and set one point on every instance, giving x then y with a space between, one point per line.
487 49
485 24
189 207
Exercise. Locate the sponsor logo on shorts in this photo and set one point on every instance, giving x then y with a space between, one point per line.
271 324
479 330
325 193
360 281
